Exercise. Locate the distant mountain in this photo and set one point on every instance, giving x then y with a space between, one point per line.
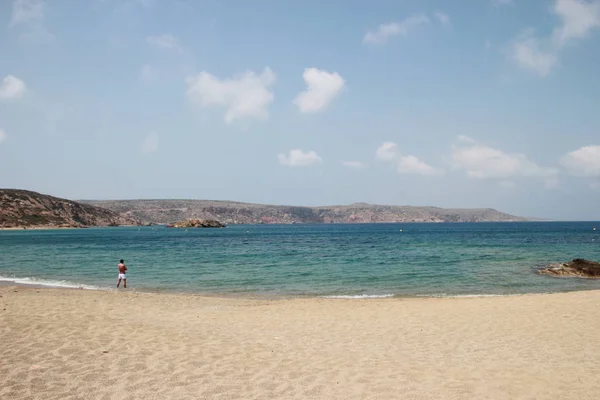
23 208
169 211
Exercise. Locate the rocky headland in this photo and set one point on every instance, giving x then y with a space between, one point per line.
578 267
27 209
229 212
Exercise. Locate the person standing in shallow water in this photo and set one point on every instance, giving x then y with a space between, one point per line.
122 271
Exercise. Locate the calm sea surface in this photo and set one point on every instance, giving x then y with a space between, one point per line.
307 260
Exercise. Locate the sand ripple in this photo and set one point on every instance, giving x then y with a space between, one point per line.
75 344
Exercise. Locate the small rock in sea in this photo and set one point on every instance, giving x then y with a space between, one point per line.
578 267
197 223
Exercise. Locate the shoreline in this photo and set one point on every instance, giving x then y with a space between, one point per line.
9 282
267 298
44 227
61 343
161 224
4 286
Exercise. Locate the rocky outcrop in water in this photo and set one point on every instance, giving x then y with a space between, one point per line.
197 223
26 209
578 267
229 212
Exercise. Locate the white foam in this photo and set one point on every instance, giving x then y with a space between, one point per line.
49 282
360 296
467 296
439 295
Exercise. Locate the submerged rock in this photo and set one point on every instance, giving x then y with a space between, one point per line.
197 223
578 267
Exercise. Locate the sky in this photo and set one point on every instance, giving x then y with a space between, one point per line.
472 103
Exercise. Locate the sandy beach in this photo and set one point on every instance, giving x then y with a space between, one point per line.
78 344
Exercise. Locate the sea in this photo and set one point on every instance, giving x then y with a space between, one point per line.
324 260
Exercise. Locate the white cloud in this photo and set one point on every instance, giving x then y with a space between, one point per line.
244 96
527 53
551 183
166 41
150 144
354 164
386 31
131 7
37 35
26 11
412 165
443 18
483 162
29 15
144 3
148 73
577 19
298 158
584 161
404 164
465 139
12 88
322 88
387 151
3 136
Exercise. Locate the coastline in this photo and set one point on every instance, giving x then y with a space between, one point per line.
35 228
67 285
117 344
39 283
46 227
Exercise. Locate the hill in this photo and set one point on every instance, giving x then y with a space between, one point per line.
169 211
23 208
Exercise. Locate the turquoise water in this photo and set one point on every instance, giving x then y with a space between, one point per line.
307 260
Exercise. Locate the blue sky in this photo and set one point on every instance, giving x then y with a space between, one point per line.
474 103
